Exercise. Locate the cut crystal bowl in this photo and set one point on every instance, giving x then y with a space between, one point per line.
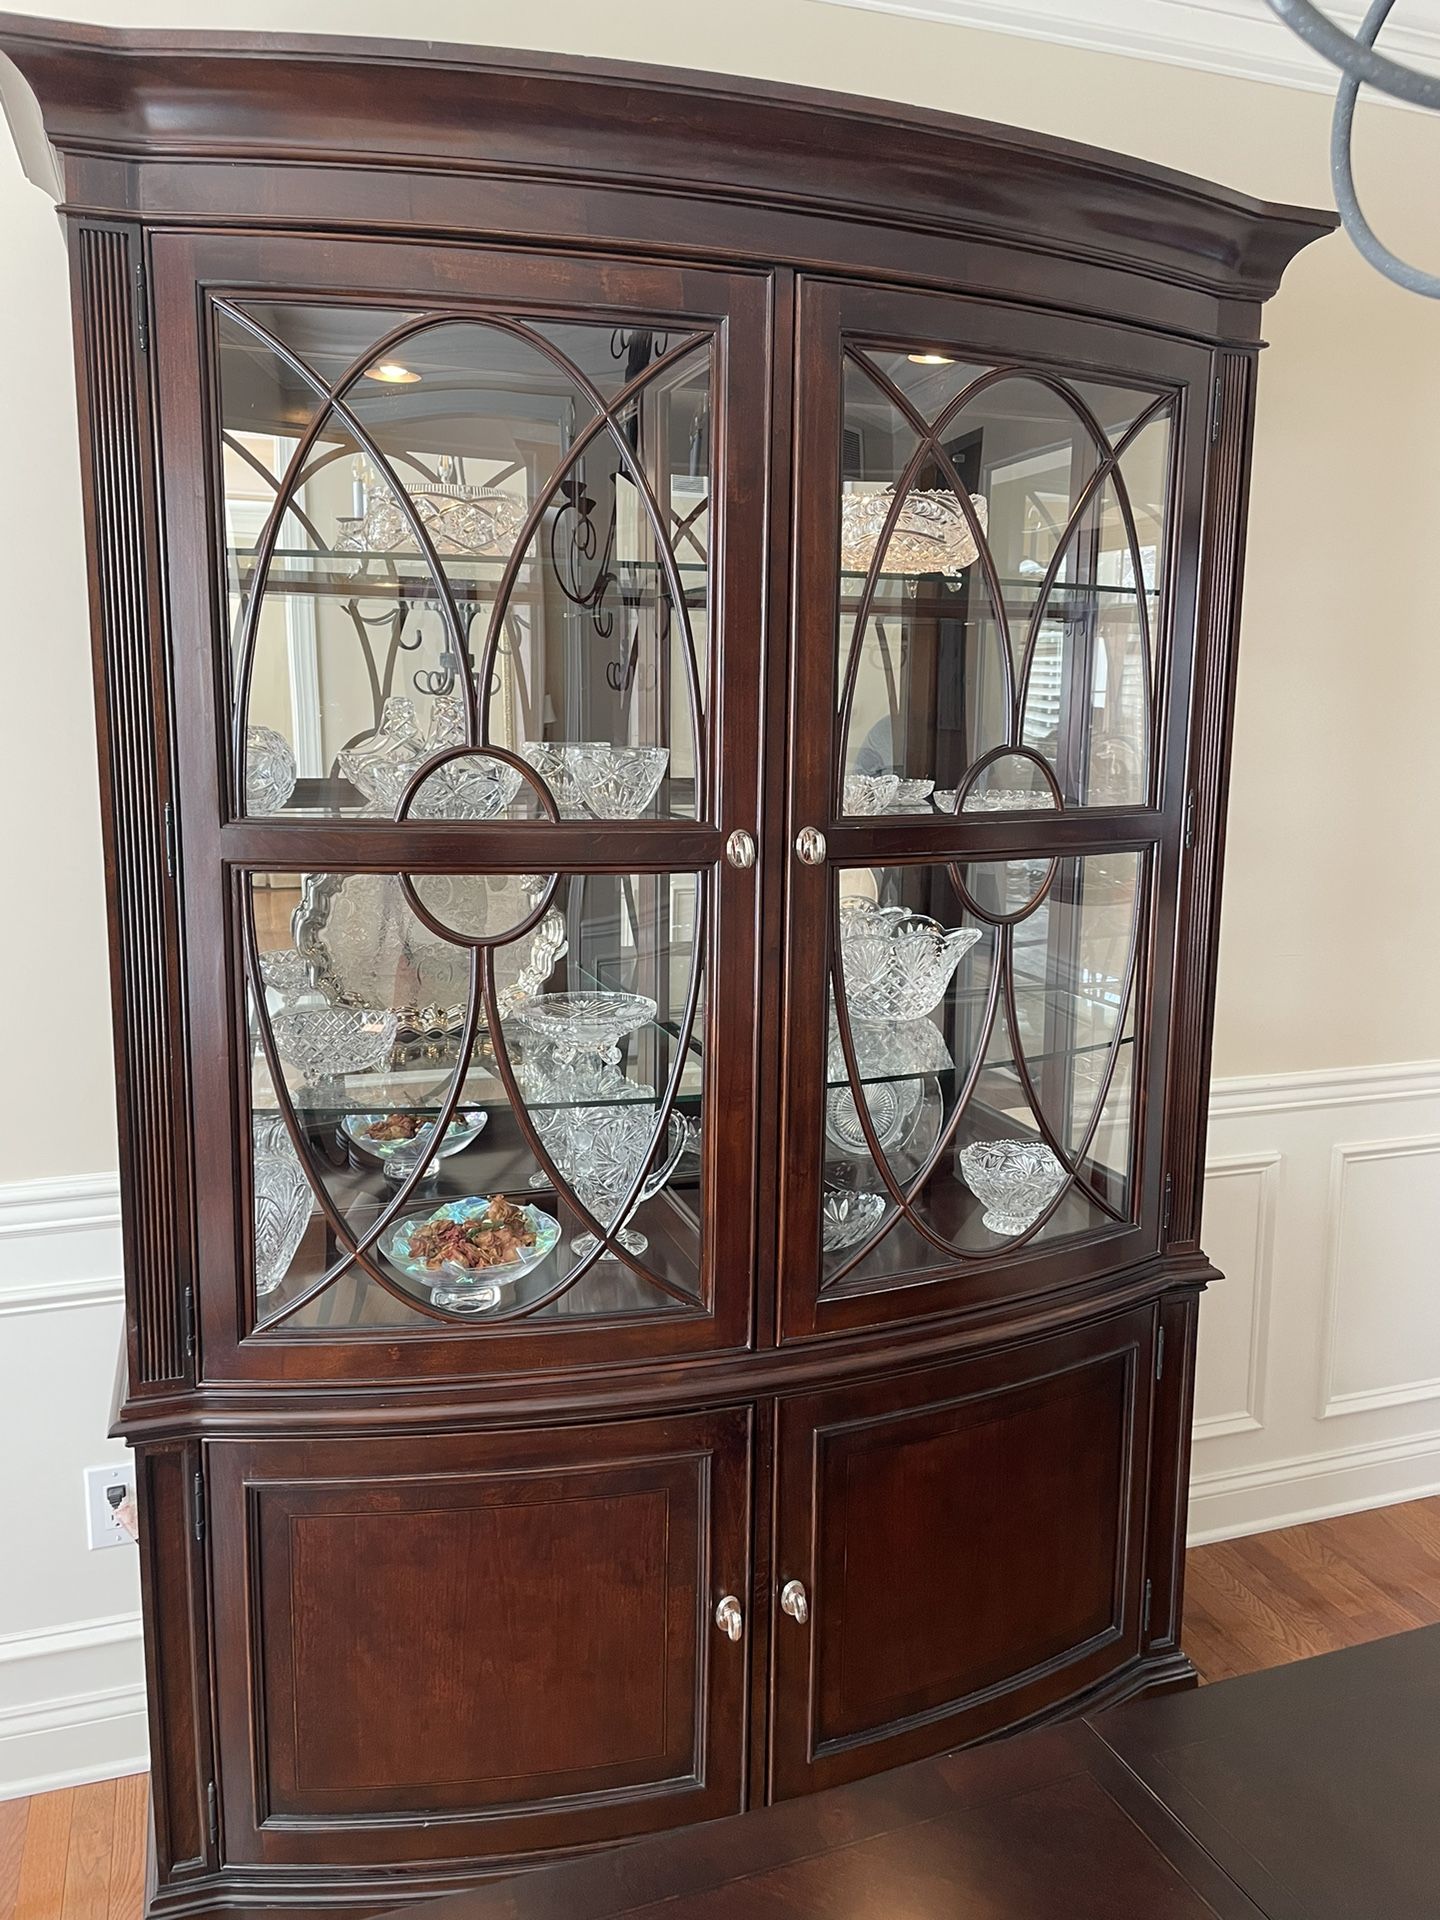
269 770
931 533
283 1201
321 1041
846 1217
617 783
469 1289
472 787
911 794
870 792
586 1023
1016 1179
894 1062
590 779
1007 800
897 964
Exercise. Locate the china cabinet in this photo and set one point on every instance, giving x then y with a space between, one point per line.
664 655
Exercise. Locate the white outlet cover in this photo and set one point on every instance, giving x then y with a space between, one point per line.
101 1526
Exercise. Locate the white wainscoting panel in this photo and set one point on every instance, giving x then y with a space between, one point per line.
1318 1390
1234 1327
72 1693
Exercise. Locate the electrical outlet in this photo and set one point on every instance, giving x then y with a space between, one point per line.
105 1490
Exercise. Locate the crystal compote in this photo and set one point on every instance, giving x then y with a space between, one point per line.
580 1024
897 964
1016 1179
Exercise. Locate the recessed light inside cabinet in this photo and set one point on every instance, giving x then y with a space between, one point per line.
392 373
930 359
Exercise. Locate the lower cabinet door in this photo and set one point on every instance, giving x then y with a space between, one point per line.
968 1540
477 1645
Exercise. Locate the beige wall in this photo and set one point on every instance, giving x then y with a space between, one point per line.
1331 922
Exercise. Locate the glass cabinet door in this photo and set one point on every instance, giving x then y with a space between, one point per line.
984 836
473 544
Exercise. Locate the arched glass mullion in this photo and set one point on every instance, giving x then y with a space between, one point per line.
927 442
607 1238
862 1106
356 1246
237 446
947 1132
1042 1120
604 422
265 546
1139 923
1107 469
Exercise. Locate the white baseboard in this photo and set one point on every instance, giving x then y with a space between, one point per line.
72 1706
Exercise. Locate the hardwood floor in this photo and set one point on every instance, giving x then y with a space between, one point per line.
80 1854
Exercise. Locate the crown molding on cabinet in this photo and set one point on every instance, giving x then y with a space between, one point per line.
1241 38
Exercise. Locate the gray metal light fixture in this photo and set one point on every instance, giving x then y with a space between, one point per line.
1360 64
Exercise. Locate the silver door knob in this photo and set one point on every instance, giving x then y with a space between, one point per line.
740 849
793 1601
810 845
729 1617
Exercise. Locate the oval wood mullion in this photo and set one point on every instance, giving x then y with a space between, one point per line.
463 846
521 1111
947 1131
332 403
899 840
862 1110
356 1245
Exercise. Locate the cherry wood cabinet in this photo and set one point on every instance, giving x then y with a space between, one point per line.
664 652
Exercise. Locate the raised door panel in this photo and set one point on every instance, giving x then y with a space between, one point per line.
482 1645
995 614
970 1541
459 542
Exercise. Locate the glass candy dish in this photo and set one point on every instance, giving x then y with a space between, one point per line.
283 1201
847 1217
930 535
577 1024
288 975
590 779
269 770
469 1289
398 1157
870 792
321 1041
1016 1179
897 964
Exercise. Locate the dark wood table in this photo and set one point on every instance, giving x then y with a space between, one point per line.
1311 1792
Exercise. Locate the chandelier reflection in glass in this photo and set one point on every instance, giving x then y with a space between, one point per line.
463 521
931 533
